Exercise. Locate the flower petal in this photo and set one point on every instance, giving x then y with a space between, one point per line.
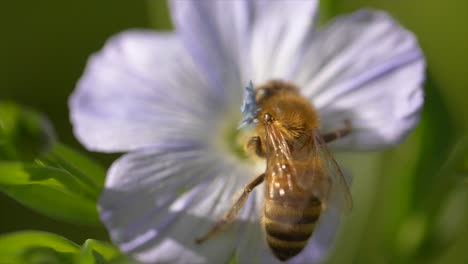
238 41
216 34
138 91
158 201
282 30
368 69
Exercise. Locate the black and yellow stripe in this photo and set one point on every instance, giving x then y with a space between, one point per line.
288 226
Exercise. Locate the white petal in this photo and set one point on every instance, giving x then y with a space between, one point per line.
140 89
156 202
366 68
279 35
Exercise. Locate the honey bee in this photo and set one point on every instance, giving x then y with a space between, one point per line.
302 179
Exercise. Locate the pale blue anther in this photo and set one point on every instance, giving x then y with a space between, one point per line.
249 107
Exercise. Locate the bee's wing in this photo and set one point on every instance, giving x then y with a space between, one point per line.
310 168
277 146
329 184
280 164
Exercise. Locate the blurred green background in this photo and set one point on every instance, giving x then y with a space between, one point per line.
411 201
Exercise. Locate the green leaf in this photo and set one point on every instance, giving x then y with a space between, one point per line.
31 247
24 134
428 182
327 10
97 252
463 170
446 206
455 251
35 247
50 191
77 161
440 135
158 16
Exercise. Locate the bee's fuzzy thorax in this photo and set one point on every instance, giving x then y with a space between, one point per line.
292 114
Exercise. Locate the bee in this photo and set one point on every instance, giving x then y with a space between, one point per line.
302 179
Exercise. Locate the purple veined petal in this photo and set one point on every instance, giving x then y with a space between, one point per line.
238 41
217 34
141 89
158 200
366 68
281 32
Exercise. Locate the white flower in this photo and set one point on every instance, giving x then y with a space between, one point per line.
171 100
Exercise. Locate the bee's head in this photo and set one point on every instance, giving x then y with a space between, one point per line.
273 88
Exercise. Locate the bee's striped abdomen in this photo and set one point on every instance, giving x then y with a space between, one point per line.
289 223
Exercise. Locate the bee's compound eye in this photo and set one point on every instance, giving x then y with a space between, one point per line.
261 93
268 118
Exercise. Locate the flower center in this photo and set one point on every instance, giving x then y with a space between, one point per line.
231 140
230 144
235 140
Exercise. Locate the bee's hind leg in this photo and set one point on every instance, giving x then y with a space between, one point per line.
218 226
331 136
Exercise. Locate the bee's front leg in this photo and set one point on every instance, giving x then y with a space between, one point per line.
218 226
256 144
331 136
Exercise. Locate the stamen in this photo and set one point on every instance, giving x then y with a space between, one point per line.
249 106
235 142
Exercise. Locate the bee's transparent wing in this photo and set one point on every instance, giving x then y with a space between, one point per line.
278 149
310 167
329 183
280 164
